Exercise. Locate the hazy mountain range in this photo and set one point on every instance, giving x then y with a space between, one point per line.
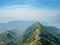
28 33
19 25
22 25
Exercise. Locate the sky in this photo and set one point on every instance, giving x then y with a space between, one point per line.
45 10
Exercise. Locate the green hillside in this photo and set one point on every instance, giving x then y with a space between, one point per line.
35 34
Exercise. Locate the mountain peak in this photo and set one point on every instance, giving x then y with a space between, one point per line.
37 25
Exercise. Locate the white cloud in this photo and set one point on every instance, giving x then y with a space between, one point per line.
26 13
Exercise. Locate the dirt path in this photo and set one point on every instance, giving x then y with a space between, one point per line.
36 34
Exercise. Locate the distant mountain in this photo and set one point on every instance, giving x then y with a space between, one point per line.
19 25
22 25
34 34
54 29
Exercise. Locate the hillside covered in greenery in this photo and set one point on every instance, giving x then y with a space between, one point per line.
36 34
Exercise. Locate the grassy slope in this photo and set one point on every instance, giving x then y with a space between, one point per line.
47 37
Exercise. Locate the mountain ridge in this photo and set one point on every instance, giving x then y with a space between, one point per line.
36 34
44 34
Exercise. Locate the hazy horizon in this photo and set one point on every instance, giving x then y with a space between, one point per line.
30 10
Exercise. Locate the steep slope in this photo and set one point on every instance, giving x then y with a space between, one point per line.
37 34
54 29
9 38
